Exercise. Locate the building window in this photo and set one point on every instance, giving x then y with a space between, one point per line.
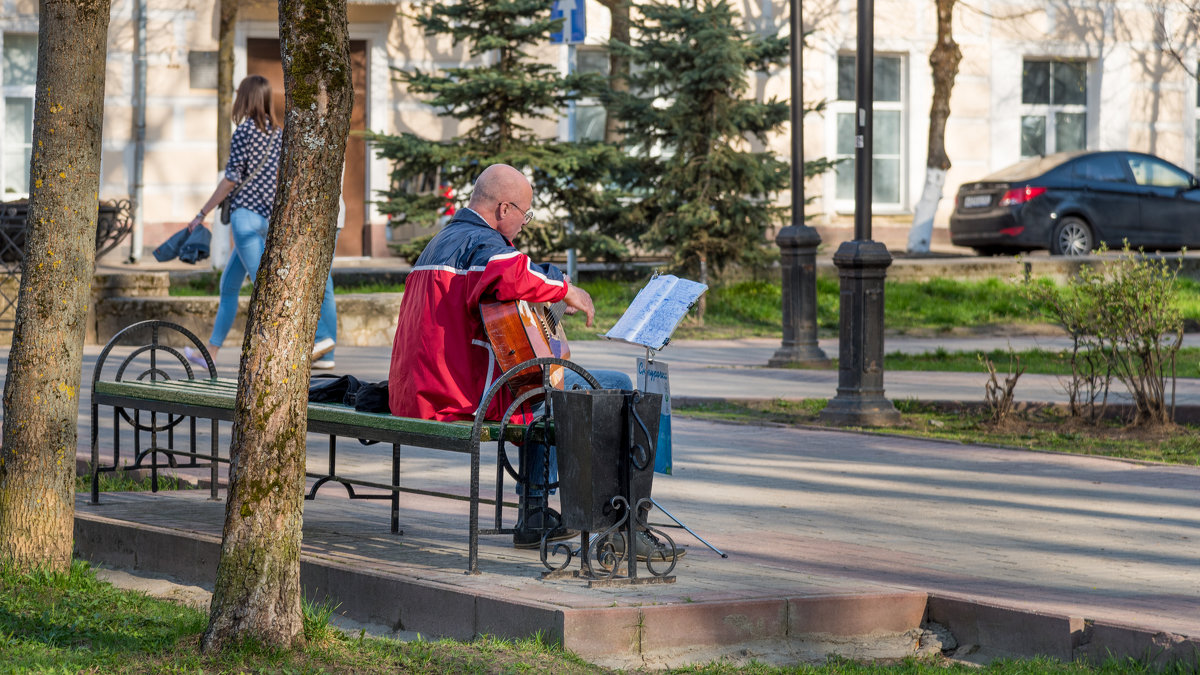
1054 107
590 117
18 79
887 170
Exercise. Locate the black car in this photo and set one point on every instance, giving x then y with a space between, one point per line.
1071 202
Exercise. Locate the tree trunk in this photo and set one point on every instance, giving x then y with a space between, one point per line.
944 63
257 591
618 66
225 29
41 392
922 228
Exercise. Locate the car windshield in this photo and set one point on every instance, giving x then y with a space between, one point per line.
1030 168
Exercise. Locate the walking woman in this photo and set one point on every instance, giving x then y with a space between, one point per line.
251 176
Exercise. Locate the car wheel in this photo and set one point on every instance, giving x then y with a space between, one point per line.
1072 236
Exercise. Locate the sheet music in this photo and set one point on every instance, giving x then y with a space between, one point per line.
656 311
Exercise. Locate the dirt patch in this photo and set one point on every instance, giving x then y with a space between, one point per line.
985 330
1045 418
1031 424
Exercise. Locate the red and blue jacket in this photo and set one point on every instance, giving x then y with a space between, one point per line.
442 362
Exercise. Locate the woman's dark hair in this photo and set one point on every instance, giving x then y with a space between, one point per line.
254 101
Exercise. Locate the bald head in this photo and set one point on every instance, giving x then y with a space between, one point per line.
502 196
497 183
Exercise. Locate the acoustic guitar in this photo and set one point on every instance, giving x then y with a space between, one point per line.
520 331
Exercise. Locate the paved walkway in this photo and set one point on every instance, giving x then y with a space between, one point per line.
808 512
1055 532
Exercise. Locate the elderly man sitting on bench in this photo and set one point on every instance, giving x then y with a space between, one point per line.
442 362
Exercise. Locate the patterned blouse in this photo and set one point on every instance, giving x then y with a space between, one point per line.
246 150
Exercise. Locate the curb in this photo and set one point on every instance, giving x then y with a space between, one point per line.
810 625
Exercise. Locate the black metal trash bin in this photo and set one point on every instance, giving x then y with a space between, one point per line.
591 428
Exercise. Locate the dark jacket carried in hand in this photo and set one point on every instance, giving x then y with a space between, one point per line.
190 247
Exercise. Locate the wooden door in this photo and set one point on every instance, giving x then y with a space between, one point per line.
262 58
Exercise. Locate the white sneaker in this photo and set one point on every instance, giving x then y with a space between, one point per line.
195 357
321 348
322 364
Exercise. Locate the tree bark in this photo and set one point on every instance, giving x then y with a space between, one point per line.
944 63
225 29
618 66
41 392
257 590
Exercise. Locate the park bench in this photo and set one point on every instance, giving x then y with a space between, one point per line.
149 402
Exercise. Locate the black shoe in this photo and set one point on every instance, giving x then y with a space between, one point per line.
648 547
541 520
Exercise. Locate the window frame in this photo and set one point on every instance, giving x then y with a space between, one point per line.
838 107
14 91
590 101
1048 112
1196 122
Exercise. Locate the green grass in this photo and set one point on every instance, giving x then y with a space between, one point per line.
73 622
753 308
1043 428
200 285
119 481
1039 361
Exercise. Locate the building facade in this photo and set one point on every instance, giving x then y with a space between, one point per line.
1035 78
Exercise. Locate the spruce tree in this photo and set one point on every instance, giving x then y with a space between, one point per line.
708 196
499 98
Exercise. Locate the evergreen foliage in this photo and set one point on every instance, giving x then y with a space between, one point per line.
708 197
498 97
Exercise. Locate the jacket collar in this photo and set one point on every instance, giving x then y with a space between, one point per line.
470 216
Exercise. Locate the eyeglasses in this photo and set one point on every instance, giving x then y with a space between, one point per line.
528 215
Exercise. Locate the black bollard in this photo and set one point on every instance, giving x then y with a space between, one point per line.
862 268
798 249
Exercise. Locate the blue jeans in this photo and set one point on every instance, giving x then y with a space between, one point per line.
607 379
327 322
249 232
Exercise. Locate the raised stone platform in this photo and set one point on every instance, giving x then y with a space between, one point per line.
737 610
838 543
416 582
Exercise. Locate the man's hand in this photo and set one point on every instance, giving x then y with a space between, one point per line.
578 300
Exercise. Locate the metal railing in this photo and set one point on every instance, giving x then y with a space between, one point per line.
113 223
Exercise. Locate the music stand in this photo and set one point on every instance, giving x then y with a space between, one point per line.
649 322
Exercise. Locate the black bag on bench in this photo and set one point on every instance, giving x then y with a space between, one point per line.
350 391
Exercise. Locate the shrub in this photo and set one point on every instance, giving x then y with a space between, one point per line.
1125 322
1075 309
999 397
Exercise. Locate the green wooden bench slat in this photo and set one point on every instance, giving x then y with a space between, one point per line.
220 394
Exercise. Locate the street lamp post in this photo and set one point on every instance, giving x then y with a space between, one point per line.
862 267
798 242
